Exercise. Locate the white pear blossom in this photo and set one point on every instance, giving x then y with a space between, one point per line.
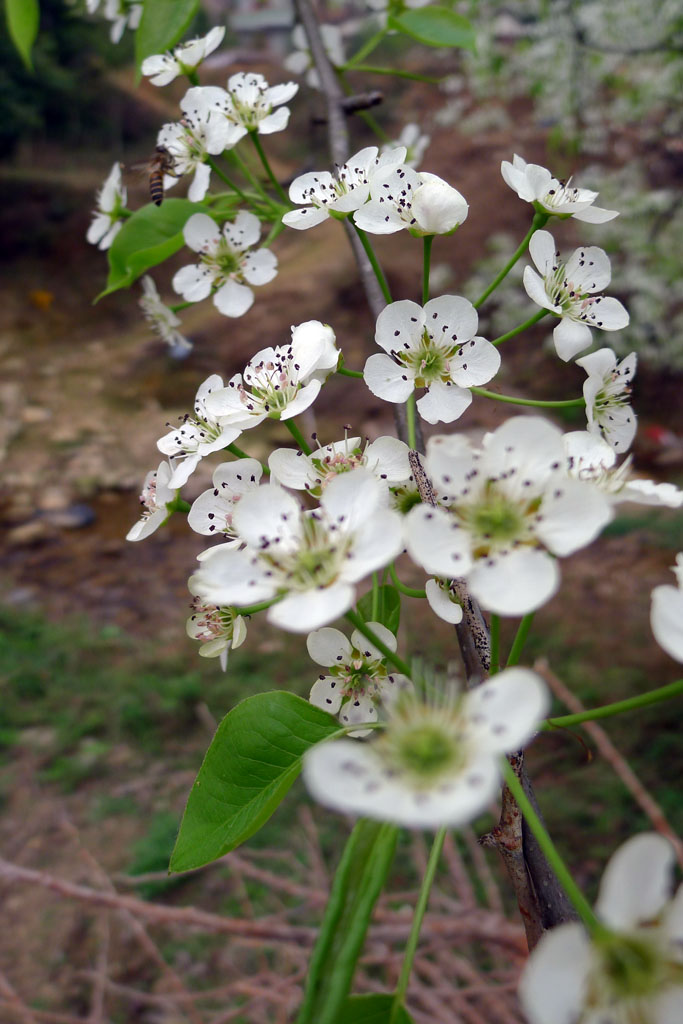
279 383
507 509
432 765
162 319
632 973
423 203
443 600
387 458
666 613
211 512
111 201
568 290
382 5
122 13
310 560
607 390
340 194
301 61
415 144
202 132
156 492
592 459
535 184
357 682
226 262
435 348
162 68
250 105
197 436
219 630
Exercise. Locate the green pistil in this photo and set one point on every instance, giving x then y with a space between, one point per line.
227 262
430 362
425 751
632 967
495 519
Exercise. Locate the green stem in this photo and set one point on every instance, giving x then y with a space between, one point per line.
348 373
607 710
356 620
238 453
520 639
374 611
495 643
426 261
178 505
408 591
581 904
418 917
253 135
521 327
225 178
539 220
410 421
379 273
368 46
414 76
569 403
246 170
177 306
192 77
298 436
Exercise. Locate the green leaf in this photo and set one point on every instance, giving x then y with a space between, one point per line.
359 880
435 26
374 1009
388 608
162 24
253 760
23 17
147 238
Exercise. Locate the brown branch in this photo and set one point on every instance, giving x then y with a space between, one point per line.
338 145
190 917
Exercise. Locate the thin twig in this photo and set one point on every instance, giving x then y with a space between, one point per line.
621 767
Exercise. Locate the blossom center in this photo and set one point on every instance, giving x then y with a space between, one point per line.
631 969
315 562
429 361
496 519
423 743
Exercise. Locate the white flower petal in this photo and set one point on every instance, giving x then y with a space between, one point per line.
436 542
233 299
553 985
326 694
636 882
666 619
302 611
516 583
387 379
571 337
441 604
329 647
504 712
443 403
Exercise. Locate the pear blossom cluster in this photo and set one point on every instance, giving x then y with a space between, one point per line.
296 535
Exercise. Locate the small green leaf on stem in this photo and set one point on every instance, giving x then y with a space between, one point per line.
435 26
